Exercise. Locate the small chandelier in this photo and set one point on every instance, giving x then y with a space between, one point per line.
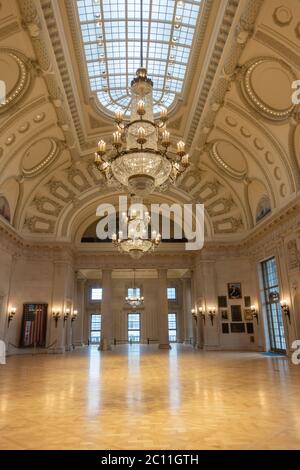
135 300
134 240
140 161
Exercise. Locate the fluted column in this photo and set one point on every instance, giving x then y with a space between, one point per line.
163 309
106 312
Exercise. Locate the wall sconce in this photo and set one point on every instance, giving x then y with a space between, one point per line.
66 315
254 312
74 316
194 313
285 309
201 313
11 315
56 316
212 314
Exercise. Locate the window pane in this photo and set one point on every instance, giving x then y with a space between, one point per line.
95 333
273 307
110 32
171 293
97 294
134 327
172 326
134 292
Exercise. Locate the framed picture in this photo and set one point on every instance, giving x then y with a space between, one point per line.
247 301
236 313
224 315
225 328
237 327
250 329
248 314
222 301
234 290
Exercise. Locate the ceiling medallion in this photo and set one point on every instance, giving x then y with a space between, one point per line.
134 299
258 87
133 237
15 75
140 161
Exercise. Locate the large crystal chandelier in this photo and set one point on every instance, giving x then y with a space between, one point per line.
134 238
135 299
140 160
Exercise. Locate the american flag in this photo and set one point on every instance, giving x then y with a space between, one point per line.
34 325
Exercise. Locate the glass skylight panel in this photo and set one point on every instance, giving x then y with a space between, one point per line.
111 36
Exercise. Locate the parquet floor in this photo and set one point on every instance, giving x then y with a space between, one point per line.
139 397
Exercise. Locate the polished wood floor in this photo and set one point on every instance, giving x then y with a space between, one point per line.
138 397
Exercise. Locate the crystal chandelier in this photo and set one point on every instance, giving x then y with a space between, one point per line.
135 300
134 239
140 160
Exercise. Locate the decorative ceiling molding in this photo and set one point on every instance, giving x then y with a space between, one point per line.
39 156
243 31
255 86
15 64
33 22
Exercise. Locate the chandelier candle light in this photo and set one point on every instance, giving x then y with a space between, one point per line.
135 300
140 161
136 242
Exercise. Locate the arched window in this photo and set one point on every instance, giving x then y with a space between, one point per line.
263 208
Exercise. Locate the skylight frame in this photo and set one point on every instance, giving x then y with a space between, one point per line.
110 72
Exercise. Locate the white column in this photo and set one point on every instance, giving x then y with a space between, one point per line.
106 312
79 305
187 306
61 288
163 309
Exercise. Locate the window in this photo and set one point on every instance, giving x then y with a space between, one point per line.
171 293
134 327
96 293
95 332
133 292
172 326
273 308
110 33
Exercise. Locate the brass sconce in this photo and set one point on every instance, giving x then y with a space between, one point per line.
74 316
254 312
66 315
212 314
194 313
11 315
285 309
56 316
201 313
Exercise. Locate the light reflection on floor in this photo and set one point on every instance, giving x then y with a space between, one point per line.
138 397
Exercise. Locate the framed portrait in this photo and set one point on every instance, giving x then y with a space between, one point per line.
248 314
247 301
236 313
234 290
224 315
222 301
237 327
250 329
225 328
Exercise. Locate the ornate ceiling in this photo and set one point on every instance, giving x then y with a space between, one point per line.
235 112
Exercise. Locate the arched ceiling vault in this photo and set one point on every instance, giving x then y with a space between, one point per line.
235 113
